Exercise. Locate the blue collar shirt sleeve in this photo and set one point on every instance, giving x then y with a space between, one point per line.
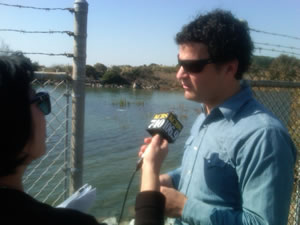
237 166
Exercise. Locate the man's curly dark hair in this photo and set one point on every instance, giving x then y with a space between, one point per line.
226 37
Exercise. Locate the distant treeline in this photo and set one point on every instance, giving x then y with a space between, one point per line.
283 67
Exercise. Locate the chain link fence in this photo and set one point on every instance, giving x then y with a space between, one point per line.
283 99
47 179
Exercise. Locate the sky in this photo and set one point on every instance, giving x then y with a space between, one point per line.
138 32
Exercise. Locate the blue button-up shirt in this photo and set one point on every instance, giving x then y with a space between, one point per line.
237 166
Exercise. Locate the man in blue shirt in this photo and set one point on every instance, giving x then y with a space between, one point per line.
238 162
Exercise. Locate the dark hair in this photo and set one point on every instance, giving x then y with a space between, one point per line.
226 38
15 115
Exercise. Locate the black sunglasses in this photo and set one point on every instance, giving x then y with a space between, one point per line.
42 100
194 66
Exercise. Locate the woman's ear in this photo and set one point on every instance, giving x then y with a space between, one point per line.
26 152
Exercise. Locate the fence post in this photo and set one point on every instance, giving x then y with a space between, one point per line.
78 93
66 155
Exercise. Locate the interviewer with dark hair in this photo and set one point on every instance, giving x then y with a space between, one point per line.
23 132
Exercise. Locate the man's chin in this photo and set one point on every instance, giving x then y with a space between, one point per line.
189 96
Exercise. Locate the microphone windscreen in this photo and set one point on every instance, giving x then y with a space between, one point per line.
167 125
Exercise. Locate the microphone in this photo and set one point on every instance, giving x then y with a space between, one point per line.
167 126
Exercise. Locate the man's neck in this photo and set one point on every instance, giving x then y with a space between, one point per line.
228 92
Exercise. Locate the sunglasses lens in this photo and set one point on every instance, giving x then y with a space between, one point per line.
193 67
43 102
44 107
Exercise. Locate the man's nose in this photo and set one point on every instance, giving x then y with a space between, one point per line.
181 74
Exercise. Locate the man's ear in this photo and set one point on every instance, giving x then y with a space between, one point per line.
232 67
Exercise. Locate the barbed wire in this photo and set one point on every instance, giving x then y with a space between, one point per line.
275 45
70 33
38 53
275 50
275 34
71 10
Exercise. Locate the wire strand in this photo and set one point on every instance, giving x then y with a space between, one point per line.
37 8
274 50
275 34
70 33
275 45
38 53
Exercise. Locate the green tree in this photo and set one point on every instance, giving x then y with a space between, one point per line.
100 68
91 72
37 67
59 68
284 67
68 69
262 62
132 74
113 76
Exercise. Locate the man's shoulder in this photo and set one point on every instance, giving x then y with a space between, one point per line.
256 116
256 125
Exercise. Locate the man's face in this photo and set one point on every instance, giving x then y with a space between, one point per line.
203 86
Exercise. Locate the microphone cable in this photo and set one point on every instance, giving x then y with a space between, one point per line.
128 187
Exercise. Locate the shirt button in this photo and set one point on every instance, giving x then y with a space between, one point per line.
195 148
189 172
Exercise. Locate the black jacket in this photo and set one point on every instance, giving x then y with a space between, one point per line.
20 208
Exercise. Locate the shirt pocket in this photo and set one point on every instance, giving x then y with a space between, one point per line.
220 177
215 159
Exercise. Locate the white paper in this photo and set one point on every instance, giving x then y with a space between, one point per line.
80 200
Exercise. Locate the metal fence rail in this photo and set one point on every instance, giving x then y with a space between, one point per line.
48 178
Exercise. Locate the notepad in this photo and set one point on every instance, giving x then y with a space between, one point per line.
80 200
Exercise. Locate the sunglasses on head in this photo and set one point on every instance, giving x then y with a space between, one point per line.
194 66
42 100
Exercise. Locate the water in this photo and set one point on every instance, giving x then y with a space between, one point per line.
114 131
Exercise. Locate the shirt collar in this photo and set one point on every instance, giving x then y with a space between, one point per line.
234 103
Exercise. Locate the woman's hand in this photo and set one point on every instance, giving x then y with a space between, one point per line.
155 150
